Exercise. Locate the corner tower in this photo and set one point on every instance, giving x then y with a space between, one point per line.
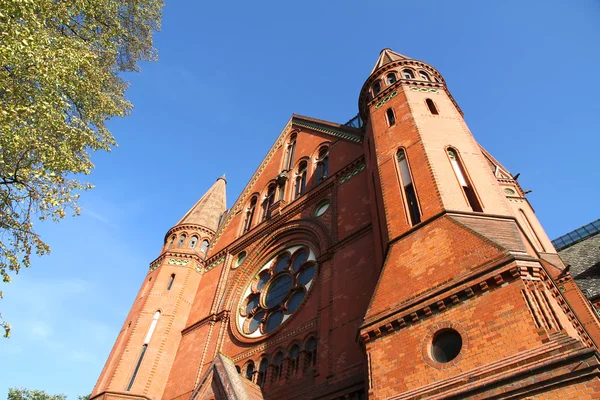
469 301
141 359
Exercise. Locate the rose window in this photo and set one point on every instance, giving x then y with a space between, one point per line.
278 290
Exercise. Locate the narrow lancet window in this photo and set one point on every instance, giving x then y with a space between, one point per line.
181 240
300 187
144 348
262 372
409 191
376 88
431 106
391 118
291 150
424 76
170 285
311 351
277 364
294 359
204 246
408 74
137 367
464 181
249 370
250 214
323 165
268 202
391 78
193 241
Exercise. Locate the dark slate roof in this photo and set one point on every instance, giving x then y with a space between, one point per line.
580 250
577 235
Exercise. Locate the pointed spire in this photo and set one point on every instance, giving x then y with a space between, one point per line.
208 209
388 56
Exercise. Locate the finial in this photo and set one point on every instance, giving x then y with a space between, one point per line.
223 177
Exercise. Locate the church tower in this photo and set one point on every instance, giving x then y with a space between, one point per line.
391 257
141 359
469 300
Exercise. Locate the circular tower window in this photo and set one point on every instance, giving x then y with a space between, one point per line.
446 345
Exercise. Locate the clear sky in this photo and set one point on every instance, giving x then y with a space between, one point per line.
230 75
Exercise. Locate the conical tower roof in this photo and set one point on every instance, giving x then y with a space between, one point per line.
388 56
208 209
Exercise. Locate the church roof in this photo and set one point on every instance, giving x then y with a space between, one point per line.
229 383
387 56
209 208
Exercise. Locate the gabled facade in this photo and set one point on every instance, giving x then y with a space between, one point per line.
394 258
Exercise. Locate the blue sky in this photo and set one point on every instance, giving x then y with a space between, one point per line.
229 77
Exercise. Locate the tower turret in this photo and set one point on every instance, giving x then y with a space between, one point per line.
452 225
141 359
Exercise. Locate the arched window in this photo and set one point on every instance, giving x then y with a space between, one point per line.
262 372
376 88
323 164
238 369
424 76
152 327
311 351
431 106
391 119
144 348
171 241
181 240
408 74
193 241
249 370
171 280
294 359
268 201
204 246
277 361
410 197
463 179
300 186
290 152
250 214
391 78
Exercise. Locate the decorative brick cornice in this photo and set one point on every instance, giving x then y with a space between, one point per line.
176 258
443 298
327 129
190 228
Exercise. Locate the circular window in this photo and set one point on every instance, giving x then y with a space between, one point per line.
446 345
321 208
277 291
509 191
240 259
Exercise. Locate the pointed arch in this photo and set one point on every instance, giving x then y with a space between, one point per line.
463 179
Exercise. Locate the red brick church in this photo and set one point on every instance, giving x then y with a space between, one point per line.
391 257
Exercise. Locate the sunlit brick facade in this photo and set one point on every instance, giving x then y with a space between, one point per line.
393 258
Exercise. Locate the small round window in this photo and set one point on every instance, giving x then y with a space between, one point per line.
509 191
446 345
278 290
321 208
240 259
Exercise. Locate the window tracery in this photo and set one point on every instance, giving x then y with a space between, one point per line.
277 291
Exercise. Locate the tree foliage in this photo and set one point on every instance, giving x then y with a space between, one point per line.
61 65
26 394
